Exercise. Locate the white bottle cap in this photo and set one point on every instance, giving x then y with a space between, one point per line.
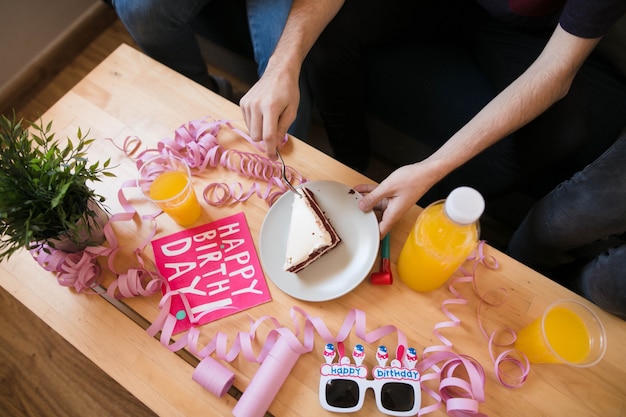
464 205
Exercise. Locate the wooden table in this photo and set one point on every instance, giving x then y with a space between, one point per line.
130 94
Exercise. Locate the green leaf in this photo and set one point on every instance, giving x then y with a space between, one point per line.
43 183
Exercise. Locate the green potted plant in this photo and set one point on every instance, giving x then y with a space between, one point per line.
45 198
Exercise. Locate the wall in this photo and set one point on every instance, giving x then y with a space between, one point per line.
31 33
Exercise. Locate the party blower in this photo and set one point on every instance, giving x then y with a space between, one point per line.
384 276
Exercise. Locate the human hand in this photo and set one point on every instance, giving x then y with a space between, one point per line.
395 194
270 107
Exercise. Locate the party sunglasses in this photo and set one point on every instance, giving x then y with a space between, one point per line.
396 388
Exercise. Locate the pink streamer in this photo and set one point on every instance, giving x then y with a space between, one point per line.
461 397
196 142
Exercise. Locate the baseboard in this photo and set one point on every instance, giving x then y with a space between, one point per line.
58 54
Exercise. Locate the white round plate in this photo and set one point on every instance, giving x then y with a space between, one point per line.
338 271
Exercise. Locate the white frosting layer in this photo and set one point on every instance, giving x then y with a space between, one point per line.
306 233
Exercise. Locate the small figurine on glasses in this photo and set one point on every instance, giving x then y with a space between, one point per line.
396 387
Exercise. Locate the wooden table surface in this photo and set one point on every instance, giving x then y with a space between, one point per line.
130 94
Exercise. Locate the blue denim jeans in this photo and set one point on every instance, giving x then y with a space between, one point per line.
266 19
577 232
166 31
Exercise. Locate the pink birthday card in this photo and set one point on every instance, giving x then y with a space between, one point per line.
213 271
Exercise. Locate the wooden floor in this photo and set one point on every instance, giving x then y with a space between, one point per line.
31 107
43 375
40 373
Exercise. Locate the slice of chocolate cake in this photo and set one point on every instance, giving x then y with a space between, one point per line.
310 233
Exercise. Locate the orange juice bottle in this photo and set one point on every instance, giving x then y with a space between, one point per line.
443 236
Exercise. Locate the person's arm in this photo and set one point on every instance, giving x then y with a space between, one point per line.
271 105
546 81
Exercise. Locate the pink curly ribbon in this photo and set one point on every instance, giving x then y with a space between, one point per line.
81 271
513 357
496 339
472 393
77 270
195 142
460 397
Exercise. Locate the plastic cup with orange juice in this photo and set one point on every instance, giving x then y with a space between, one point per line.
568 332
166 180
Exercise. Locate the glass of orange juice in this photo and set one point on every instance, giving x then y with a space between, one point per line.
166 181
567 332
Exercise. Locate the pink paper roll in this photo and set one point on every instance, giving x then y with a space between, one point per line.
265 384
213 376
